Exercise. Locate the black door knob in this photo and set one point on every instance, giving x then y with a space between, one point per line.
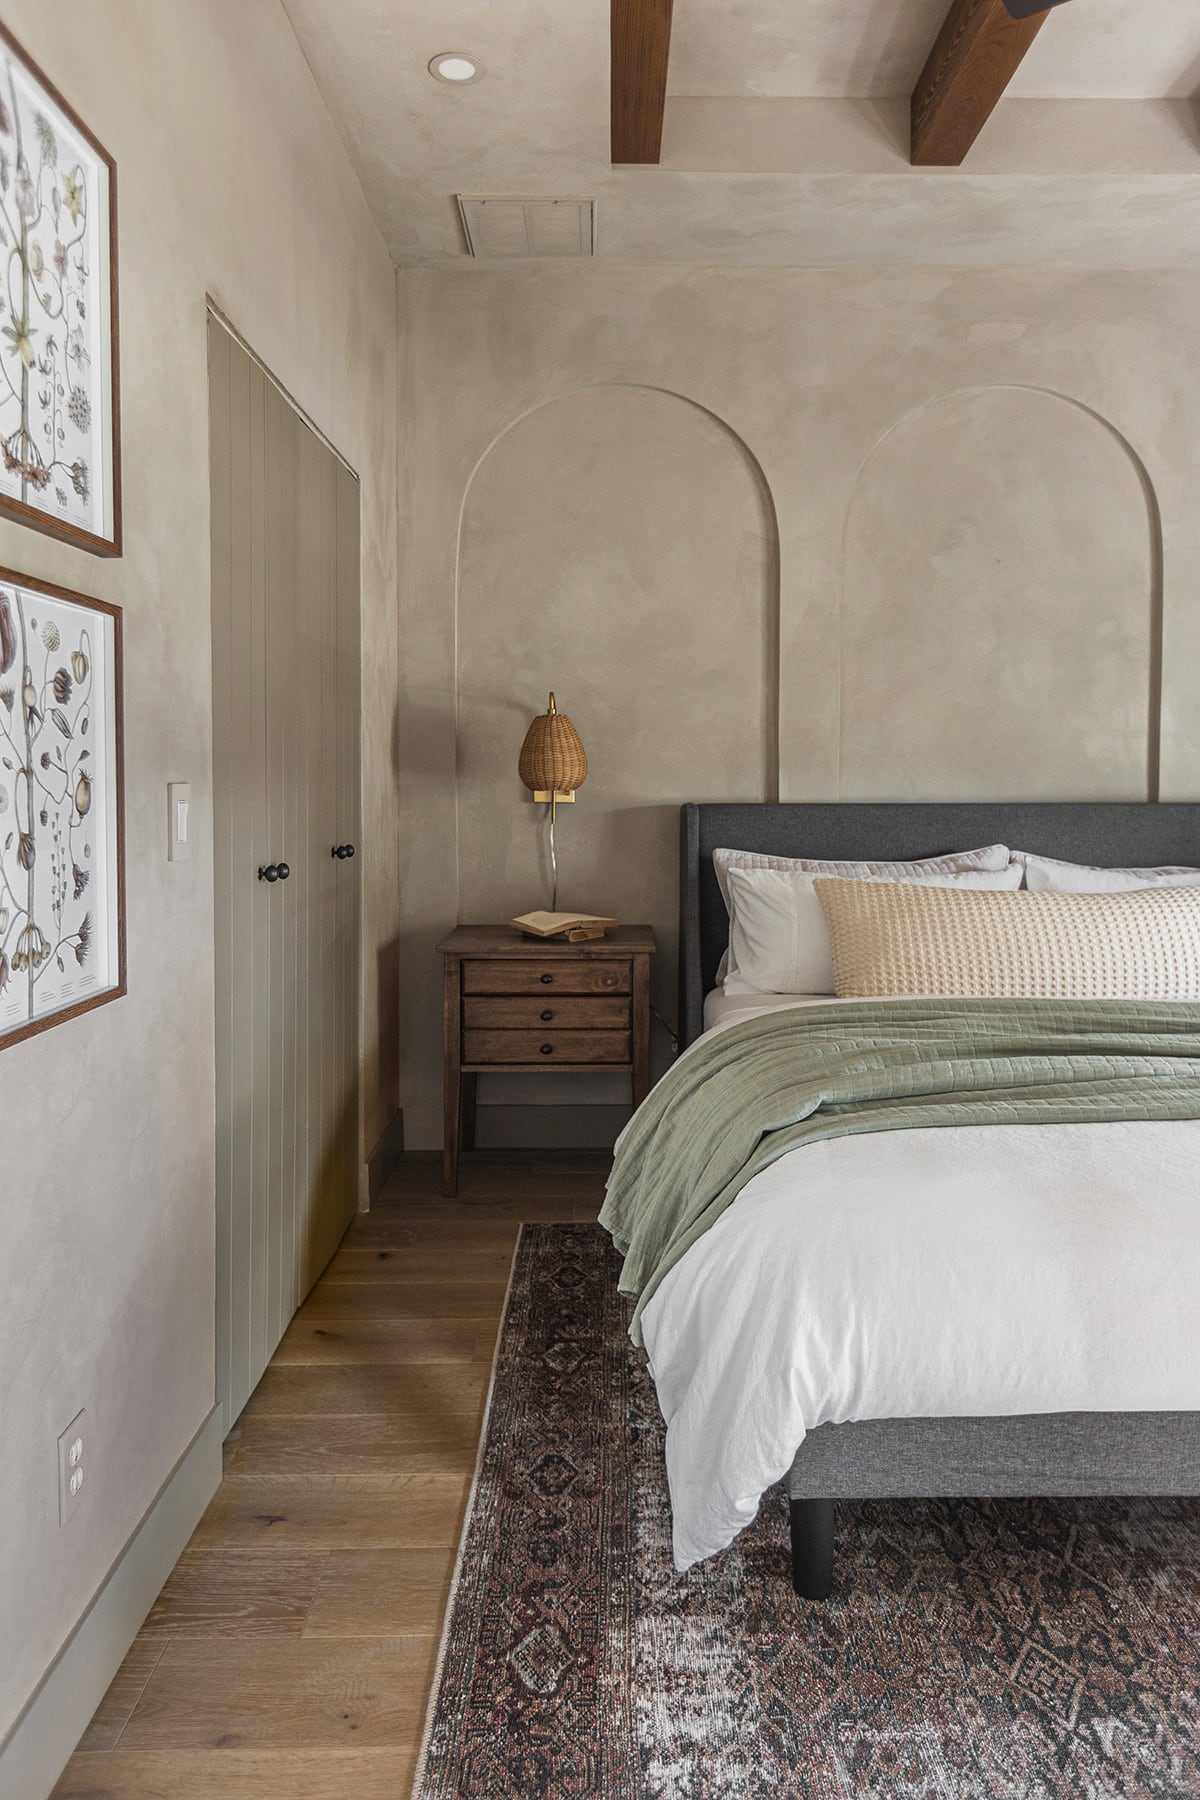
342 851
547 1049
546 1016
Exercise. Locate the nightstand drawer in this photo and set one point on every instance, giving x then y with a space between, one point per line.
555 976
546 1046
566 1012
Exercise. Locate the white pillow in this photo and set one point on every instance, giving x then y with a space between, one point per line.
1043 875
995 857
778 938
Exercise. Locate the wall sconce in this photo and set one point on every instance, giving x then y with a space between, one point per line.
552 764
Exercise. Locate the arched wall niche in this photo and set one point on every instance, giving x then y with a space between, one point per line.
619 545
1001 606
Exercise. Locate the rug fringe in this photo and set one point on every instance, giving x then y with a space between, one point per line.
435 1685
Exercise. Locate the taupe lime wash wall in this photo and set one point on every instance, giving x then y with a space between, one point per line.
871 534
232 181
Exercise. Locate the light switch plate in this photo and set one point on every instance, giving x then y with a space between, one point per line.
179 821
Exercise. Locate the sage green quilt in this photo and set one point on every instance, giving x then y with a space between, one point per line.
747 1095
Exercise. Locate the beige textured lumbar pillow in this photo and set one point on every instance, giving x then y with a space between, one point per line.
899 938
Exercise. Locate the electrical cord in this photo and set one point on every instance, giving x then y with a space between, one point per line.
669 1029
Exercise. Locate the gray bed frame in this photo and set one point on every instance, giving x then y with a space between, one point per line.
1046 1454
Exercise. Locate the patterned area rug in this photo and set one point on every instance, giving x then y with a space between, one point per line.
973 1650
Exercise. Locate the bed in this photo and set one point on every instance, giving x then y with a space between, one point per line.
1144 1441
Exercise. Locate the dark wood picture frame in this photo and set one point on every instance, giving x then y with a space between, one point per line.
21 510
12 578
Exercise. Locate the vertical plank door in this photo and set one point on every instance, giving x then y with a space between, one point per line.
285 790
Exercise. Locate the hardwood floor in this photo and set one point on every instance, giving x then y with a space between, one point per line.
290 1654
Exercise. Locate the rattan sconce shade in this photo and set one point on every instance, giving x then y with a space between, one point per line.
553 759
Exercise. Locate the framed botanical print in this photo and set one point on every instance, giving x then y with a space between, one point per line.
62 841
60 468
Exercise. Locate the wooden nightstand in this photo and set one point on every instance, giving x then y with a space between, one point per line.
524 1004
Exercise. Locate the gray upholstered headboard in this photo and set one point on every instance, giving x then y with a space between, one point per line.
1119 834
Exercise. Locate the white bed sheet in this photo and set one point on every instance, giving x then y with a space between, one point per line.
969 1271
721 1008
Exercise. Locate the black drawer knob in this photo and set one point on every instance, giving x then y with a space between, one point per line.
547 1049
545 980
546 1016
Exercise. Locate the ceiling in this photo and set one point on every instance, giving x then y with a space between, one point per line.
1091 49
820 178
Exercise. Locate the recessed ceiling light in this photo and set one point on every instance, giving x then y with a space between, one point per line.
455 66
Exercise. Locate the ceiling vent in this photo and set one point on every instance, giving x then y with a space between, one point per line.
503 225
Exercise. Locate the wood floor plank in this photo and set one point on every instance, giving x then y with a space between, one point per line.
432 1229
435 1300
389 1227
284 1694
577 1162
237 1593
424 1391
432 1260
518 1210
381 1593
401 1232
336 1512
390 1340
241 1775
380 1445
112 1715
486 1182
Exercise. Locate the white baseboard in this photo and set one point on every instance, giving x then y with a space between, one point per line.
36 1750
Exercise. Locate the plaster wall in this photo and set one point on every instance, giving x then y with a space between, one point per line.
232 182
613 633
971 520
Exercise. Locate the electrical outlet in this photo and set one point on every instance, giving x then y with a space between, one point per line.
72 1467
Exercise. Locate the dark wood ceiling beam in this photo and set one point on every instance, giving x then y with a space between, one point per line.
976 54
641 46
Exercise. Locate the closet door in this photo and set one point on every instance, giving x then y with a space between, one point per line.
286 782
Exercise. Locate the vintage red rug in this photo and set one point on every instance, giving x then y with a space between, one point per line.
973 1650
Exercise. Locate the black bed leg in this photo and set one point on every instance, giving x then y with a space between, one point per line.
812 1548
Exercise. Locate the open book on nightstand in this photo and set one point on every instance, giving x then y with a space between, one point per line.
576 928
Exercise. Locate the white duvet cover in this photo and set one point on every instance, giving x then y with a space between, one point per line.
973 1270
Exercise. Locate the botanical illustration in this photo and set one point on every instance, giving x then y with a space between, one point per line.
57 808
55 355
